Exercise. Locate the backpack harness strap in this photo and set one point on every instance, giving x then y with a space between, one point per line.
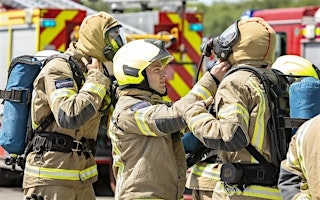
18 96
53 141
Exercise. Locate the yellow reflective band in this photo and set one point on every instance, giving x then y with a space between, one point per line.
208 171
61 174
259 130
98 89
303 196
201 91
107 100
251 191
35 125
234 109
291 159
88 172
299 145
61 93
198 119
118 163
140 119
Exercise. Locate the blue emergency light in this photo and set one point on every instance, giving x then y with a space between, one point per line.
196 27
48 22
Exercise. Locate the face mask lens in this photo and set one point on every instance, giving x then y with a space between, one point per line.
115 37
230 35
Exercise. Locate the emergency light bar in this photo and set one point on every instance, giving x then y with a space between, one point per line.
196 27
48 23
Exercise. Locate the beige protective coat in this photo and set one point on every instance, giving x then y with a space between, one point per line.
240 104
76 113
151 164
300 174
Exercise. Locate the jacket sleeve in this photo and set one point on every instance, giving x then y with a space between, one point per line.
292 181
71 106
158 120
239 102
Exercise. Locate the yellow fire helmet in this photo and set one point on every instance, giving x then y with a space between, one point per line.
295 65
134 57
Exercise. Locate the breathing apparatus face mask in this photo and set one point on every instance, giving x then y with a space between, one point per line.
114 38
222 45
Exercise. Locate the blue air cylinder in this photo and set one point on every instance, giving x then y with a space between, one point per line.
15 114
304 98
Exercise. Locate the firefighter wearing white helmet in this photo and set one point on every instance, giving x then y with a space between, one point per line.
67 102
296 66
241 118
298 177
149 159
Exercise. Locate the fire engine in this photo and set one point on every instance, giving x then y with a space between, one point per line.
26 31
298 30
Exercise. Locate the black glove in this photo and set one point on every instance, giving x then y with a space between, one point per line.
206 48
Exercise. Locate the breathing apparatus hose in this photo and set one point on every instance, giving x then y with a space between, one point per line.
199 68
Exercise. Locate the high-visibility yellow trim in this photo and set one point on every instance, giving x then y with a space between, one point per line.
299 146
88 172
259 128
140 119
116 160
234 109
251 191
303 196
194 121
61 174
208 171
98 89
61 93
201 91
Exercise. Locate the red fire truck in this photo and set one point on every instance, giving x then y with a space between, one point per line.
298 30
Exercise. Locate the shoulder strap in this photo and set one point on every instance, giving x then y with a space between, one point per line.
278 134
19 95
74 64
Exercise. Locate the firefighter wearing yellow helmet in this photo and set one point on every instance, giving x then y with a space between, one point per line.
149 159
240 118
61 162
296 66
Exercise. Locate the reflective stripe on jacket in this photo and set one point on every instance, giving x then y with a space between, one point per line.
76 114
242 116
149 159
299 173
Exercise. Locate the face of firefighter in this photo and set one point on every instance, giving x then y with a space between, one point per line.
157 77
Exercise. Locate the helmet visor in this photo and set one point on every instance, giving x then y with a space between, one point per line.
115 38
230 35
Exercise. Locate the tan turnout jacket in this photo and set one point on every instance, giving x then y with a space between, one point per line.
76 114
300 174
242 114
149 159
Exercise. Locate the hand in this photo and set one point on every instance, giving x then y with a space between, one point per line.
208 102
94 64
220 69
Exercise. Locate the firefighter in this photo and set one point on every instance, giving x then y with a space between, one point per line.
149 159
298 177
296 66
240 118
299 173
61 163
